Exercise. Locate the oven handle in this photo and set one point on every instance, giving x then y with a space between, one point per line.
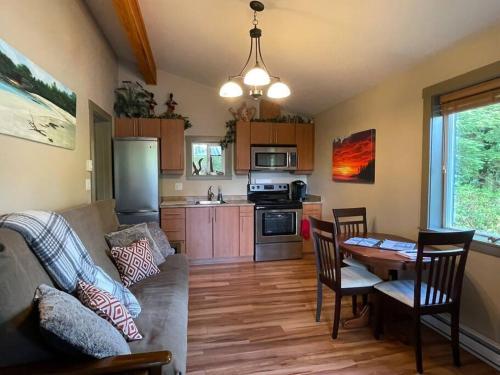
297 210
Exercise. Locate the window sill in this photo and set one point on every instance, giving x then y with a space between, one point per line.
477 244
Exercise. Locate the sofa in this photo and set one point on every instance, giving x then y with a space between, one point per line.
163 298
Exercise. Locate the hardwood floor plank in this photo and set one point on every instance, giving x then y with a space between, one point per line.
259 318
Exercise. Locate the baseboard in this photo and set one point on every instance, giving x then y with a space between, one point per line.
478 345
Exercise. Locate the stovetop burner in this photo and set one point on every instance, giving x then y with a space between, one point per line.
275 196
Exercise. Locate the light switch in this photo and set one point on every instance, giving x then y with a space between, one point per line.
88 184
178 186
89 165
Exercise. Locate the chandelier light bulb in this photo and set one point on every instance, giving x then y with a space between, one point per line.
230 89
256 77
278 90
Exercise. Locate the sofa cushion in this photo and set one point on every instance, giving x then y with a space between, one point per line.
163 321
134 233
160 238
74 329
108 307
87 223
134 262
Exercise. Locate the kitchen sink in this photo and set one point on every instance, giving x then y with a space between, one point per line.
209 202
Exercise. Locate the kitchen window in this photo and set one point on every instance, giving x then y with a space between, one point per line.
464 161
206 159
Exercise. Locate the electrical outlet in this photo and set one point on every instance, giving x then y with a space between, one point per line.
88 184
89 165
178 186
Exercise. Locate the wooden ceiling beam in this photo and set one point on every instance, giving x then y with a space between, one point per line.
130 16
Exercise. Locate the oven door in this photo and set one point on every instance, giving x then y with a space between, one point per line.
279 225
274 158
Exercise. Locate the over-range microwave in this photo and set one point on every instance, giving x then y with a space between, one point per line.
270 158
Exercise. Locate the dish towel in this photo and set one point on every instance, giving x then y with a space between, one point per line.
63 255
305 229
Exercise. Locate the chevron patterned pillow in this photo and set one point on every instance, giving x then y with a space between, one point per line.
134 262
108 307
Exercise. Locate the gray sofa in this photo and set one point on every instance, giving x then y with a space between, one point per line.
163 298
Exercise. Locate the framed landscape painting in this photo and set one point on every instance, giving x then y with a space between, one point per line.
33 104
353 158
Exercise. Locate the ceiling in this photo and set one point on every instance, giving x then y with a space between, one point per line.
325 50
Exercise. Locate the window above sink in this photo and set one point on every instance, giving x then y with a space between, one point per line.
206 159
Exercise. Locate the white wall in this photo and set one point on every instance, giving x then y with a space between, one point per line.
61 37
395 109
208 112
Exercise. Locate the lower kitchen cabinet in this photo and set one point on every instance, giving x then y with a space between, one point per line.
226 232
199 243
314 210
246 231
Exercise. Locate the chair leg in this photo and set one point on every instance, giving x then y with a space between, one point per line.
354 305
418 344
319 300
455 344
379 316
336 315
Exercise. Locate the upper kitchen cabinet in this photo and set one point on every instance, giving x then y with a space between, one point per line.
242 148
137 127
272 133
172 146
304 136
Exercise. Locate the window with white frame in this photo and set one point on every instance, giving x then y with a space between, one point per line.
206 159
465 162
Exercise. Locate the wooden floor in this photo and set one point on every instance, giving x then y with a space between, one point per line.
258 318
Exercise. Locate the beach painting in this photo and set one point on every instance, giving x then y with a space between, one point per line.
353 158
33 104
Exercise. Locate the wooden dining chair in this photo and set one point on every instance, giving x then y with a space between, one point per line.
439 293
351 222
344 281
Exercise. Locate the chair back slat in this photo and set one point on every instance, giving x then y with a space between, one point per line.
445 269
353 226
326 252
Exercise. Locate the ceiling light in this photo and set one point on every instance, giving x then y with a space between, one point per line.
230 89
278 90
258 75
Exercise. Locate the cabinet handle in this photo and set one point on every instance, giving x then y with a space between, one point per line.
215 209
209 216
241 225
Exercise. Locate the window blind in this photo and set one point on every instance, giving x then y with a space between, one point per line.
470 97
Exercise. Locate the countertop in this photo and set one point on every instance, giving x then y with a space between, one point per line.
312 199
183 202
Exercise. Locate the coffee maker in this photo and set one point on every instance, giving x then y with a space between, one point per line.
299 189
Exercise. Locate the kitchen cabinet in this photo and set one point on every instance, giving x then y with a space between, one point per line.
304 135
314 210
173 223
172 146
272 133
137 127
199 239
226 232
242 148
246 231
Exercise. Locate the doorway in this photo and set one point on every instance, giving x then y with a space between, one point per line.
101 130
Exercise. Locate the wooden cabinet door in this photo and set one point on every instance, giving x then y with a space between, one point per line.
260 133
172 146
313 210
242 148
173 223
304 135
283 134
199 233
226 232
125 127
246 231
149 127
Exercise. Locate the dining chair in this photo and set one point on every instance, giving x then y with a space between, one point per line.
353 225
439 293
344 281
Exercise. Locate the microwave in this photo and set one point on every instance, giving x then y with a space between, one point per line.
269 158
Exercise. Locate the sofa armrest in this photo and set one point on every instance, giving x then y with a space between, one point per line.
149 362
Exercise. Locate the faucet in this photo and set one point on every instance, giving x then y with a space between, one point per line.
210 193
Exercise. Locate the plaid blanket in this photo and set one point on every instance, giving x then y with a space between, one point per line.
63 255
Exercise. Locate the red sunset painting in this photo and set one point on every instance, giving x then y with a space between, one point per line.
353 158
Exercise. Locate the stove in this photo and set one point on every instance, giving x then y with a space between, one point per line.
277 222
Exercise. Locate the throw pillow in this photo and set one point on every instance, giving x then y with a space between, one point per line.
160 238
72 328
134 262
109 308
126 236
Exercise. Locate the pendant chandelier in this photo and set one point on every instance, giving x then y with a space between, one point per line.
258 76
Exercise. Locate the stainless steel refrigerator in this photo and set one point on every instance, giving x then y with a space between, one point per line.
135 176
